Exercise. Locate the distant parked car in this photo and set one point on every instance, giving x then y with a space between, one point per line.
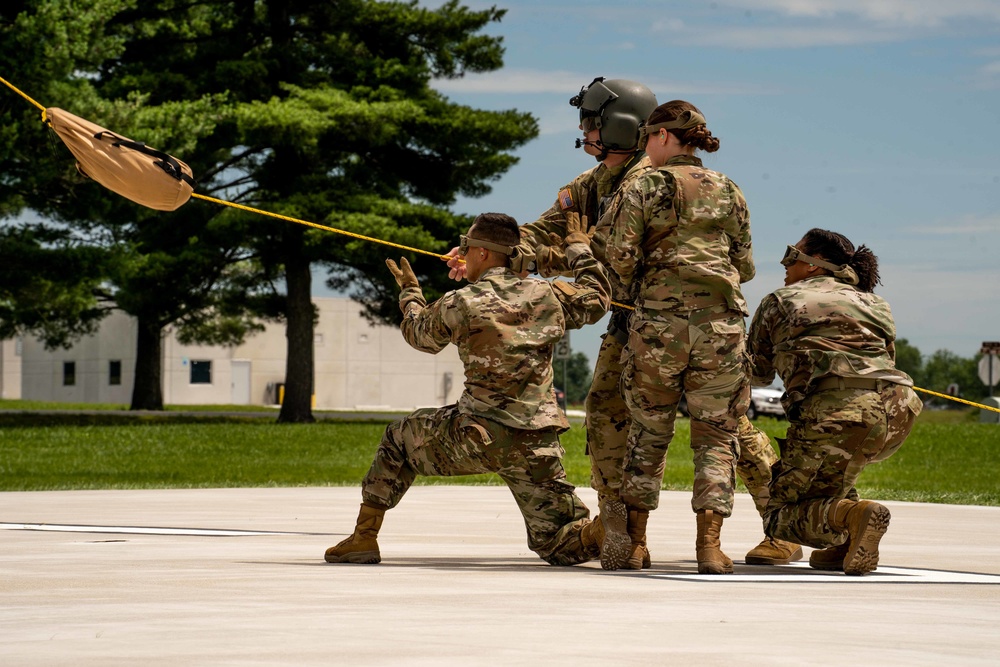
763 401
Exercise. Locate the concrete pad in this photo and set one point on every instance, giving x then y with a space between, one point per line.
457 585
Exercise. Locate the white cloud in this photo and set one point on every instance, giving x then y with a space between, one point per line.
929 13
564 83
785 37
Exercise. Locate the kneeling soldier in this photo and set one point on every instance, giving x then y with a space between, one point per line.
506 421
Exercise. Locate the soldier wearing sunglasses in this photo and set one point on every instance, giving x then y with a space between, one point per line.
506 421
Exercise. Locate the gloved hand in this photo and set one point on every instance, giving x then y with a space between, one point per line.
576 229
403 273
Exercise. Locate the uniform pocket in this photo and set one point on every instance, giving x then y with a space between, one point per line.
473 432
724 328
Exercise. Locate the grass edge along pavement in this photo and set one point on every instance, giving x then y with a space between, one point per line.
948 458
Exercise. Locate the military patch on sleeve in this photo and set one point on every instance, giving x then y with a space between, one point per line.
565 287
565 199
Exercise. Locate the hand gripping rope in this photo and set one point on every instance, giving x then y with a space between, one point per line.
325 228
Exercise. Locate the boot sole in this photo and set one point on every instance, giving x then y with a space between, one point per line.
863 556
356 557
617 545
767 560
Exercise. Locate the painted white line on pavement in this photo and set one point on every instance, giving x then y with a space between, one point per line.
803 574
139 530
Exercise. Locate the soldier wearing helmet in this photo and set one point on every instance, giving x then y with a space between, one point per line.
611 112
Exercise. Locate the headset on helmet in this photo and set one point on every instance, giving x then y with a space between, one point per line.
616 107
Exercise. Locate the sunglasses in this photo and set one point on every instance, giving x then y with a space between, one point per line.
465 242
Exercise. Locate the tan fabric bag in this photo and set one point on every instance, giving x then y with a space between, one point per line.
130 168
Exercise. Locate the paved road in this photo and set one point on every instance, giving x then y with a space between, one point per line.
458 587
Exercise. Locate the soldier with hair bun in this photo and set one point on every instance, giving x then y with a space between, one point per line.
681 244
831 340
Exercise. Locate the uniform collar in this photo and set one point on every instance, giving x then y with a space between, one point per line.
684 159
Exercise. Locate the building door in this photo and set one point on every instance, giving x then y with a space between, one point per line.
241 382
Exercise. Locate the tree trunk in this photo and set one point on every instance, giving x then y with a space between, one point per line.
147 389
297 406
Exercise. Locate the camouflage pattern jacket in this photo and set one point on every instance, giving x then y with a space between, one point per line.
821 327
591 194
680 239
505 329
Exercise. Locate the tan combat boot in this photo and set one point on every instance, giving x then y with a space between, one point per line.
773 552
708 549
361 547
638 558
831 558
617 545
865 522
592 537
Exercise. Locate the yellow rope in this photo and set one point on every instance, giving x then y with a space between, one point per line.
12 87
317 226
958 400
403 247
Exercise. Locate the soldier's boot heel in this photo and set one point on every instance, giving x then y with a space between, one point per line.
361 548
708 548
638 558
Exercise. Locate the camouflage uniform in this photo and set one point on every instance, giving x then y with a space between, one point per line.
757 456
592 194
506 420
847 404
681 243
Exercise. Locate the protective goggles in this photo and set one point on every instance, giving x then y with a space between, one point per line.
597 96
464 243
793 254
590 120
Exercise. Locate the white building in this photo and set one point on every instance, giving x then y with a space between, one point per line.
358 366
10 369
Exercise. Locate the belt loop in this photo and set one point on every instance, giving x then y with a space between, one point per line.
840 382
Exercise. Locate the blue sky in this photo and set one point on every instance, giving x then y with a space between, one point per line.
879 119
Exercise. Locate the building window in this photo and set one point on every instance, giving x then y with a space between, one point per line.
201 372
69 373
114 372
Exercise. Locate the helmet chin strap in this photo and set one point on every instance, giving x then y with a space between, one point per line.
603 155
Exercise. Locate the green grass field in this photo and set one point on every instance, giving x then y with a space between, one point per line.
949 458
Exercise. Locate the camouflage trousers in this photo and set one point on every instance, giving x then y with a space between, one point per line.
832 436
608 420
754 465
700 354
446 442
